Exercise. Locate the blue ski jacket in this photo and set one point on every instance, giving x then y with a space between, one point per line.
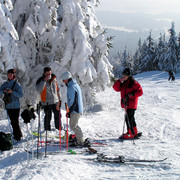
16 94
74 97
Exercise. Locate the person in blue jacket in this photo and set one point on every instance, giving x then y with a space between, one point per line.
75 105
14 89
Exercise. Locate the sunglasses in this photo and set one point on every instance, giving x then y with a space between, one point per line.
48 74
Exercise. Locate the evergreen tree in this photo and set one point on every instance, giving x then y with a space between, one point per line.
171 57
178 55
160 54
10 56
146 63
137 57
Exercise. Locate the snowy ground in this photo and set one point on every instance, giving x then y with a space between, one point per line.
157 117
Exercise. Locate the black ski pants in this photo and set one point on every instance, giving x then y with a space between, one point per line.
14 118
130 119
48 109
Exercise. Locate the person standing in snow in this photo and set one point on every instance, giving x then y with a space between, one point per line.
130 91
13 89
171 75
75 104
48 88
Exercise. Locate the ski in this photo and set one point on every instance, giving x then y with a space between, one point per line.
135 137
70 151
122 159
57 142
49 136
51 152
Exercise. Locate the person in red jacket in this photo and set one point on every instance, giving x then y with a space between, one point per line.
130 91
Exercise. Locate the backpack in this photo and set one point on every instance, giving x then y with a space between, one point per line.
27 116
5 141
7 97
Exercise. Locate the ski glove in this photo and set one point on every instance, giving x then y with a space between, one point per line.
125 100
68 115
129 95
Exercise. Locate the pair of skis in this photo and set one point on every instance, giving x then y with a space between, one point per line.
122 159
70 151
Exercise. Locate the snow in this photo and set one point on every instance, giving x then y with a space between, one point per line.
157 117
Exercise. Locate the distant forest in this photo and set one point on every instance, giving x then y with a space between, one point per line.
151 55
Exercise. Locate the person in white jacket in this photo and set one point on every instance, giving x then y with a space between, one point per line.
48 88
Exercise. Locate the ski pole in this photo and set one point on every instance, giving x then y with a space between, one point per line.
67 111
38 111
124 122
59 108
32 140
46 129
27 144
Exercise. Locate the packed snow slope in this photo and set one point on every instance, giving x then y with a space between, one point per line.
157 117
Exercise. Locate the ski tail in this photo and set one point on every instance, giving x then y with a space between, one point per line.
122 159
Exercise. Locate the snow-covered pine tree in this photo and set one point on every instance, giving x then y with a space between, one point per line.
63 34
171 57
116 62
82 46
146 63
137 57
10 56
160 54
178 55
35 22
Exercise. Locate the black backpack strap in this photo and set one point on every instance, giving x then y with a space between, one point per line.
13 85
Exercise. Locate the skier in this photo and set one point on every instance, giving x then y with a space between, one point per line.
48 88
130 91
75 104
171 75
12 89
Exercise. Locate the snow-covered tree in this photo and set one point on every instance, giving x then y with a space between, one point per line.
171 57
178 55
160 54
146 63
63 34
82 46
137 57
10 56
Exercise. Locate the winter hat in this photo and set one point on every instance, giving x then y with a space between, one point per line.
12 71
66 75
127 72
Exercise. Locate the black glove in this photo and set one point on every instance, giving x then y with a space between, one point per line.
129 95
125 100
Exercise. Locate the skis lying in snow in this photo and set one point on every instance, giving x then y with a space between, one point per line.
70 151
135 137
49 136
52 142
122 159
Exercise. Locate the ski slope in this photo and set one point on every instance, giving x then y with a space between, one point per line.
157 117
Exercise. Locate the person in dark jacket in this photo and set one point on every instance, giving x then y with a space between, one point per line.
171 75
130 91
14 89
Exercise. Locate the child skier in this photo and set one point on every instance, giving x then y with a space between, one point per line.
130 91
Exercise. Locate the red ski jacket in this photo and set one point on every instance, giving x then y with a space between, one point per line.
134 90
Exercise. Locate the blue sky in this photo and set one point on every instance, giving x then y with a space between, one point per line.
129 20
